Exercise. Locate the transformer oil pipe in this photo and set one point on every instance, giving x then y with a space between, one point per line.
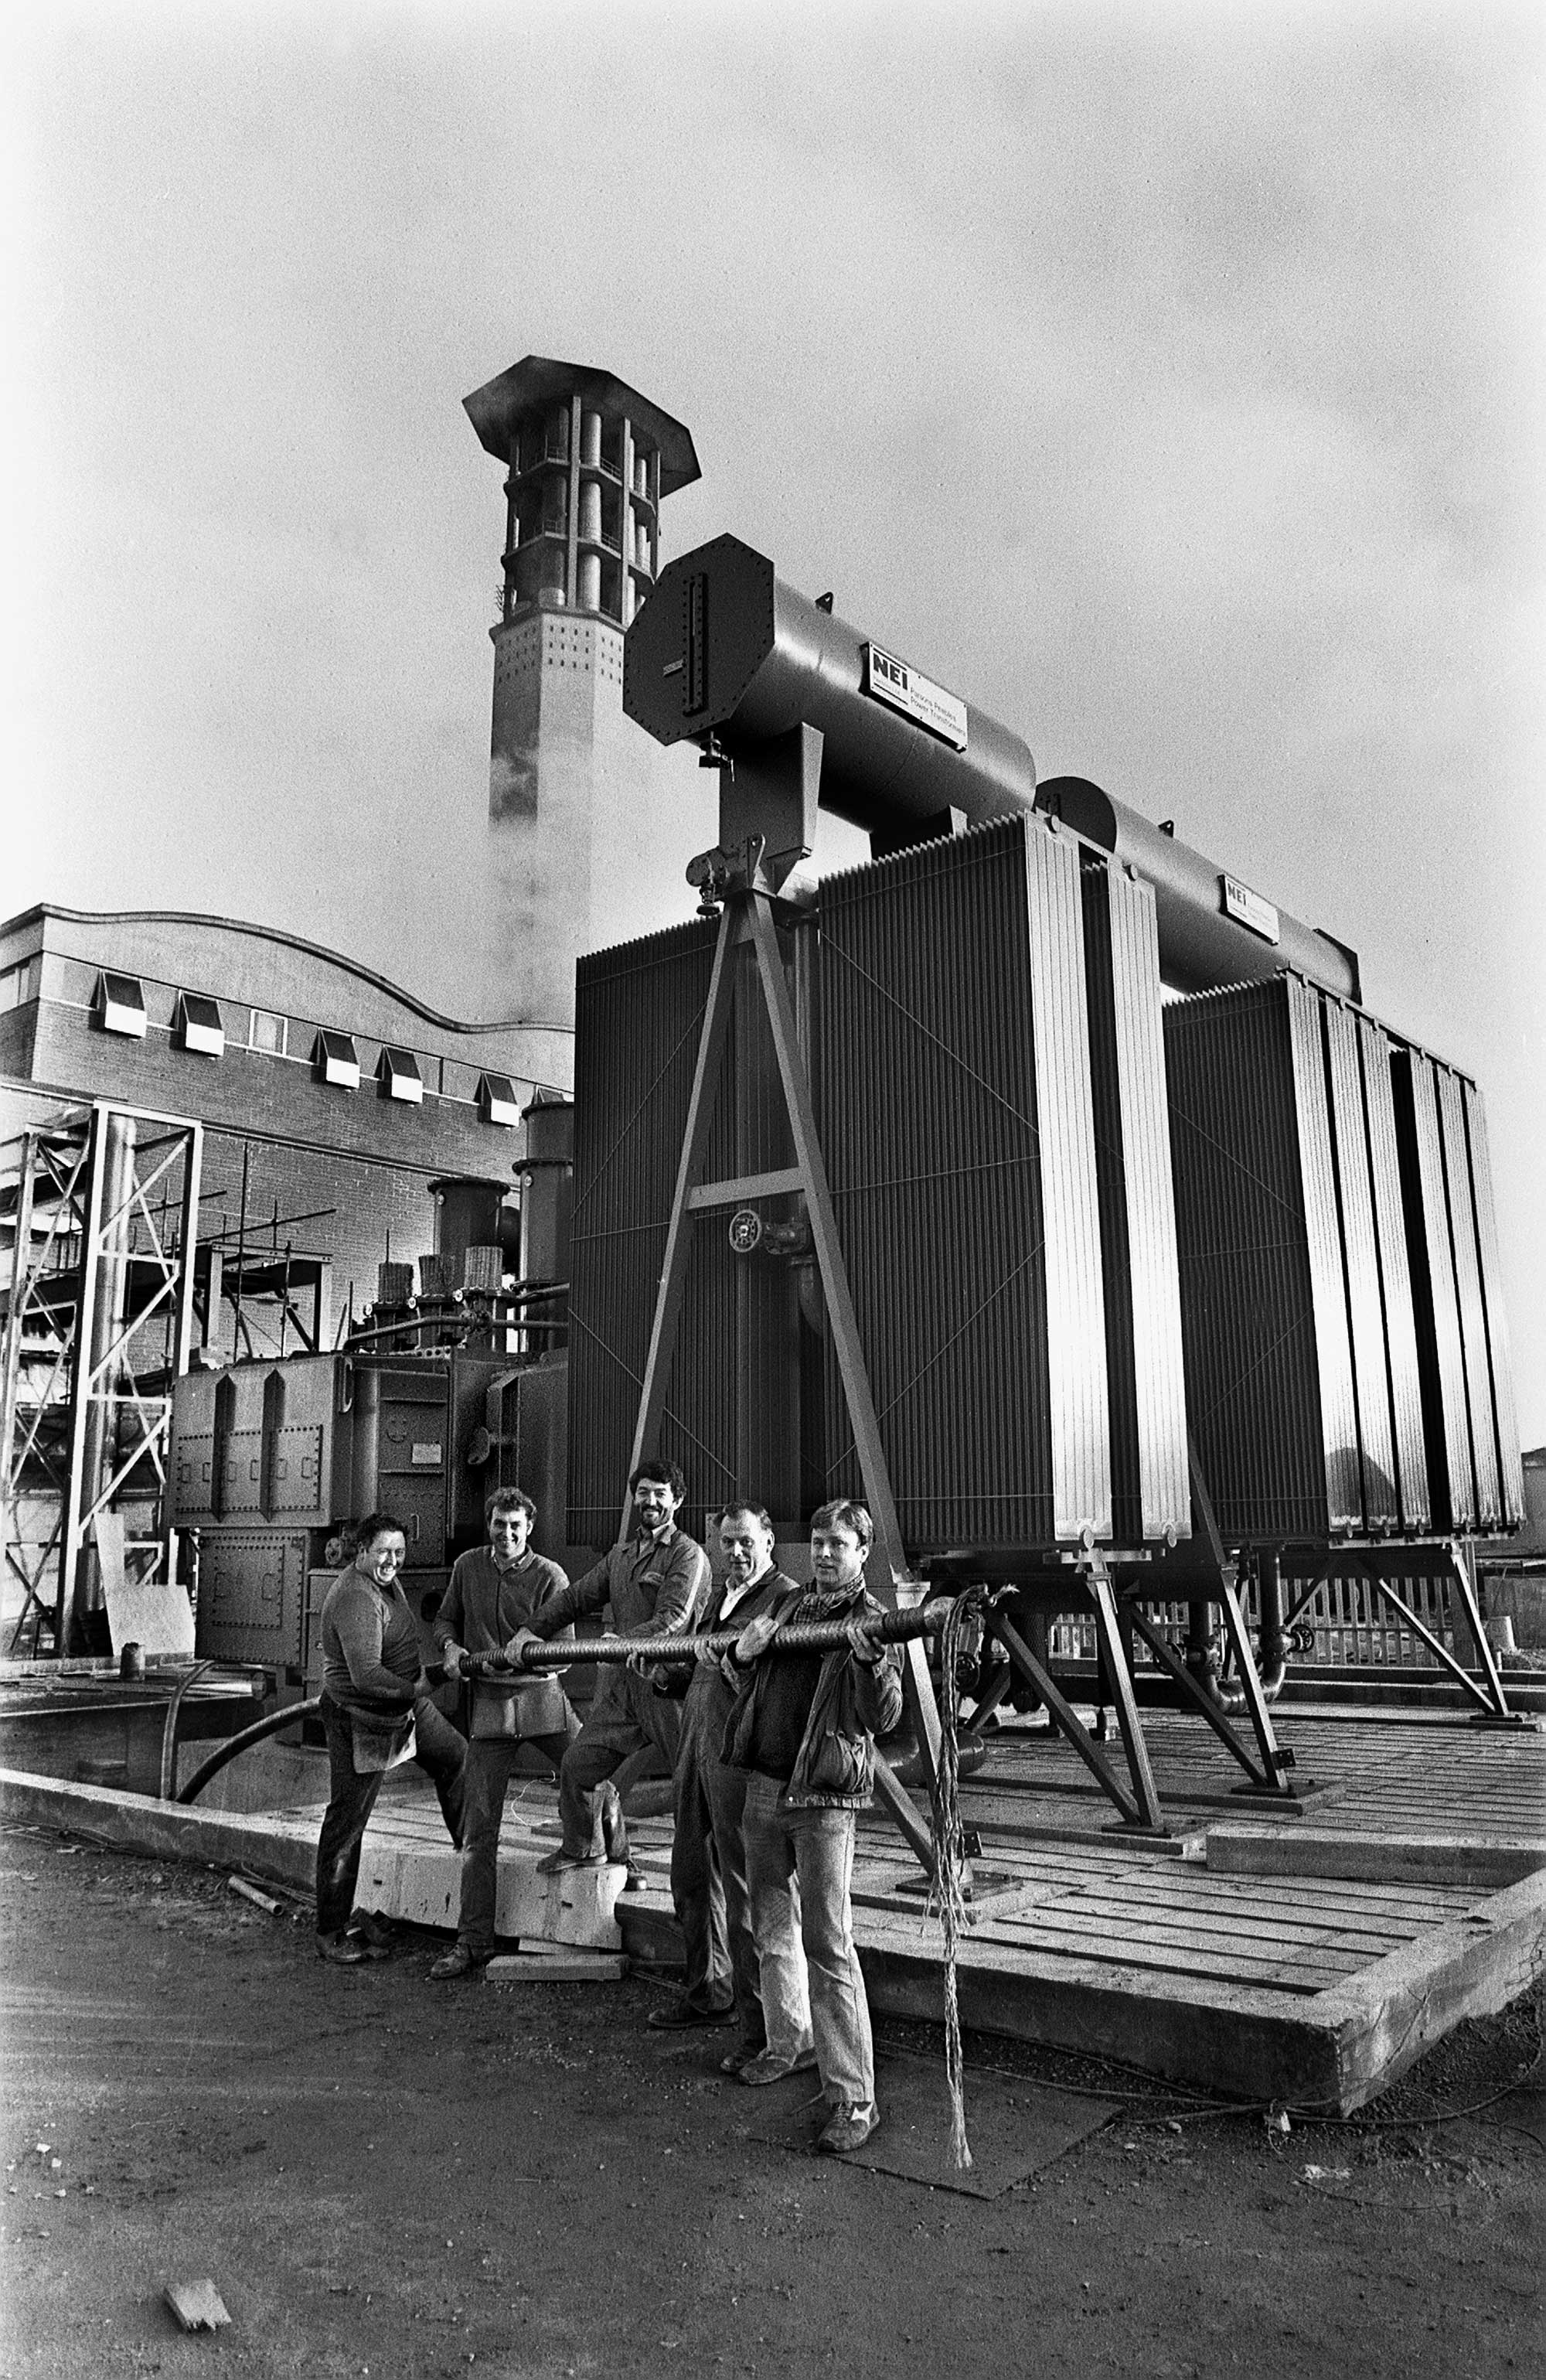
275 1724
169 1732
1273 1642
725 655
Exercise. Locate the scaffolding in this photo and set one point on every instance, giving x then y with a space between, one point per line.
101 1207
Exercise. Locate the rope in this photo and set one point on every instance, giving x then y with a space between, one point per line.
947 1889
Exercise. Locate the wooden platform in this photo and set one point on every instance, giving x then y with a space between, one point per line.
1303 1953
1355 1770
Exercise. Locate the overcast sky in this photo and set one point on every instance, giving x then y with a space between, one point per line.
1166 379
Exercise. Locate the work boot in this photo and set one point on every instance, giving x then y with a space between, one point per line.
849 2129
341 1950
460 1959
676 2016
765 2066
373 1938
736 2060
559 1862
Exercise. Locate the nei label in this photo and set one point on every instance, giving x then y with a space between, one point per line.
893 682
1248 908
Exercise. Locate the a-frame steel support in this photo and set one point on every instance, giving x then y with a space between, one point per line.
747 919
1376 1565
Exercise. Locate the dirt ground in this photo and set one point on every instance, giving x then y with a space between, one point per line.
386 2176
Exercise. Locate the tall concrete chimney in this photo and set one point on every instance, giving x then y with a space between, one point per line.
589 463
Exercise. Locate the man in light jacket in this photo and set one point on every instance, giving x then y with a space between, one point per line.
803 1727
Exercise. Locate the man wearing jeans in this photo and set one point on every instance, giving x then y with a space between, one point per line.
804 1729
495 1591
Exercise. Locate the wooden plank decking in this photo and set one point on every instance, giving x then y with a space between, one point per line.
1238 1954
1304 1953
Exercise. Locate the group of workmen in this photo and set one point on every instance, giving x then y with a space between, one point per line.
771 1753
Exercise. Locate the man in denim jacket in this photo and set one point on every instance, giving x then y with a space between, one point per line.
804 1729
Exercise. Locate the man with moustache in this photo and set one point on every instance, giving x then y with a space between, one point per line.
708 1855
654 1580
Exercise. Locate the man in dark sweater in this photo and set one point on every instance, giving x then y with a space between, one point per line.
376 1711
495 1591
804 1728
654 1580
708 1855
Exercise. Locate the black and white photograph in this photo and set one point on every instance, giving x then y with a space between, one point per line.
772 1159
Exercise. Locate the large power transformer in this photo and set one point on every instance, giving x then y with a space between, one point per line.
1041 1181
1074 1224
983 1021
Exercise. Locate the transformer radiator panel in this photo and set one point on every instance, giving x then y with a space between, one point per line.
1345 1370
992 1107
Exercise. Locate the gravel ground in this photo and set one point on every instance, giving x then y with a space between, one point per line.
385 2177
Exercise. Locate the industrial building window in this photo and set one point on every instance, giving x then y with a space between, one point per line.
121 1004
497 1101
267 1031
200 1024
337 1061
16 986
399 1076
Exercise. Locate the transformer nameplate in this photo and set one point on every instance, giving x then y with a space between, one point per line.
895 683
1248 908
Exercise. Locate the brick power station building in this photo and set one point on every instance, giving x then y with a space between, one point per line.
340 1116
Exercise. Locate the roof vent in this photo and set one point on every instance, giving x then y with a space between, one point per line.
400 1078
199 1025
121 1006
335 1060
496 1099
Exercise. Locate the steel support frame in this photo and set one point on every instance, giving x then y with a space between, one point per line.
747 917
59 1156
83 1208
1368 1562
1115 1586
1114 1593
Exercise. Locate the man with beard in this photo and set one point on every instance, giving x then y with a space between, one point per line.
654 1580
708 1855
803 1727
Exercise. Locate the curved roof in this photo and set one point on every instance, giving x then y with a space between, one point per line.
276 935
540 380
